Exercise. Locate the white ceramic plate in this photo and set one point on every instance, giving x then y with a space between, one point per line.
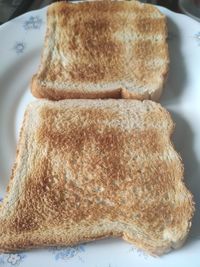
21 41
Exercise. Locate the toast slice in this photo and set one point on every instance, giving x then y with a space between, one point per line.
103 49
89 169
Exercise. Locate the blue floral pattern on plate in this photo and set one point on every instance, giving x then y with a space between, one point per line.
8 260
33 22
65 253
19 47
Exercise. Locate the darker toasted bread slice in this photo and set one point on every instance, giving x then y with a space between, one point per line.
104 49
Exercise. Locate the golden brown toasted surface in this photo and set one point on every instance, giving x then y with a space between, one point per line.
103 46
87 169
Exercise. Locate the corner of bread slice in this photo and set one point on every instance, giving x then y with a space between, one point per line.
39 89
35 87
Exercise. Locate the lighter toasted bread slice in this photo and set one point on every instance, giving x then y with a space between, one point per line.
89 169
103 49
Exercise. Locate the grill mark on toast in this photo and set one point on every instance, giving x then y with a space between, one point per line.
150 26
77 136
98 50
148 50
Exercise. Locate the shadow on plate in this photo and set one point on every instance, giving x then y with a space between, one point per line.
183 139
177 76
